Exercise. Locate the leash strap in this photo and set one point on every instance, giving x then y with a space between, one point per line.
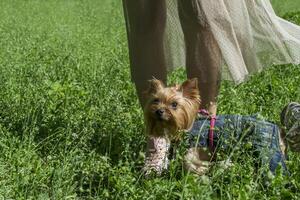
211 128
211 133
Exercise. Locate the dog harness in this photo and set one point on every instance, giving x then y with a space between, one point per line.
227 131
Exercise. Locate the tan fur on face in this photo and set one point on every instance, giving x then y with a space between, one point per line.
178 107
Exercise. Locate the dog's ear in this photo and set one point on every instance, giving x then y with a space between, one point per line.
154 86
189 88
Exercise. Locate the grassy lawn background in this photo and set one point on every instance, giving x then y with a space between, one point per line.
70 123
283 6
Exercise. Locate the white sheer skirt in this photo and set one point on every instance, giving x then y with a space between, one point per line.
249 34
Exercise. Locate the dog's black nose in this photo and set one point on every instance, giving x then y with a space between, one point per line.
159 112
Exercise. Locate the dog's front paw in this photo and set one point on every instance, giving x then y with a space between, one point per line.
193 162
198 169
157 155
155 164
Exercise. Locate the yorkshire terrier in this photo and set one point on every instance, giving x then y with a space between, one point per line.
171 111
167 111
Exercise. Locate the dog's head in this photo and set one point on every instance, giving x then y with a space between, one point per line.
170 109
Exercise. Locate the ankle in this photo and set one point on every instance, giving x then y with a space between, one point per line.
212 108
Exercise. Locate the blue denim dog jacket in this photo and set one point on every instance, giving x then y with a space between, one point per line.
231 130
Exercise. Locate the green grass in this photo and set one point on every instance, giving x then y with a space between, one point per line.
284 6
70 123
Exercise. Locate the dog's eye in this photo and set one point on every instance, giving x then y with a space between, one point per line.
174 105
155 101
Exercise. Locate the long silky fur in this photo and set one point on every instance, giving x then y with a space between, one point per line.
181 118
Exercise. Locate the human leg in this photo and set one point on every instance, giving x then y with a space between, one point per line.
202 51
145 22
